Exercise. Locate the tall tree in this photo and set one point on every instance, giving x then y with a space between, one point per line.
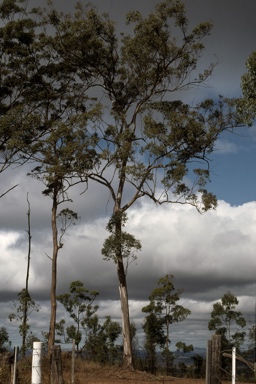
66 114
45 112
148 142
227 321
163 308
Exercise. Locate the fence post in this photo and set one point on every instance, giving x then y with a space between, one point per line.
14 366
208 363
233 365
216 359
73 362
37 362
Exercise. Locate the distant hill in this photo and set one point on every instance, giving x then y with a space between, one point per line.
186 358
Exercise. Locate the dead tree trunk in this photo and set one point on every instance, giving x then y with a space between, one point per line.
56 365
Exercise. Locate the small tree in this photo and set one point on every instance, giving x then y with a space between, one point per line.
154 336
165 311
252 342
4 339
79 304
100 340
25 305
228 322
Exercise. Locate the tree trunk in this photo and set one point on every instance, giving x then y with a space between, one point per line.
27 297
126 329
51 336
56 366
127 343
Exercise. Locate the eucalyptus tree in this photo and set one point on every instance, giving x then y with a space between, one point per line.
164 310
58 156
227 321
150 144
101 338
79 304
46 113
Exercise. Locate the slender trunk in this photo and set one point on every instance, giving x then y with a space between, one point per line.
127 352
26 298
167 348
51 336
126 329
78 330
123 291
29 245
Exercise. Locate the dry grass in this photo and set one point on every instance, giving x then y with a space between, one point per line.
92 373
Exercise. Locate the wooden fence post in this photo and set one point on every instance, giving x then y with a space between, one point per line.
73 362
208 363
56 365
216 359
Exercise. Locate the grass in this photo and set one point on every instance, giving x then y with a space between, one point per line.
90 373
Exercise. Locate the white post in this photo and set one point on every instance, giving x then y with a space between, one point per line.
37 362
233 365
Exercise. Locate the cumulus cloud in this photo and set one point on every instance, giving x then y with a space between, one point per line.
207 254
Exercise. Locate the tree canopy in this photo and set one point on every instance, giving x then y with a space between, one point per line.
227 321
95 106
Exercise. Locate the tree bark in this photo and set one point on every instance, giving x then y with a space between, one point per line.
216 359
123 292
51 336
127 343
56 366
25 312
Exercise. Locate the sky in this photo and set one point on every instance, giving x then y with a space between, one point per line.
208 254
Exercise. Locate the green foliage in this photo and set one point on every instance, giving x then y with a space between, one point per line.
252 342
226 321
247 104
31 338
184 347
163 311
24 306
154 336
145 146
4 339
100 340
120 242
79 304
199 366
